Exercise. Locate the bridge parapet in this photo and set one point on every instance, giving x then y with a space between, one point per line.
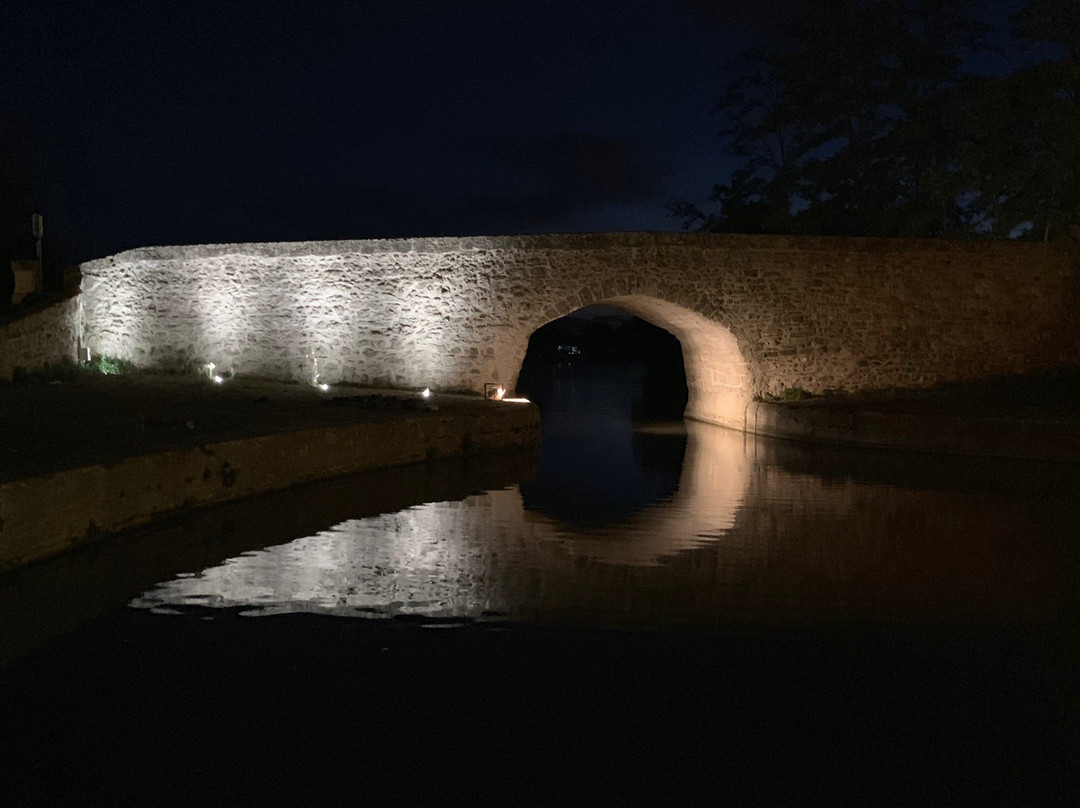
755 314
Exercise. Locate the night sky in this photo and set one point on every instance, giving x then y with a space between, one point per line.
217 121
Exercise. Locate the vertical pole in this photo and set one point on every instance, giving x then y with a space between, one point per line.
37 227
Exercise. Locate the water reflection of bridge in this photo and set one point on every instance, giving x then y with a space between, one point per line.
711 488
742 537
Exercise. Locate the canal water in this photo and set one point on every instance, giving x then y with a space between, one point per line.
647 613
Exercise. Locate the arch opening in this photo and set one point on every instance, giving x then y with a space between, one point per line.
718 380
615 358
607 379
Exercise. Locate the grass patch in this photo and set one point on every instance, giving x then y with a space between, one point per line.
67 371
109 366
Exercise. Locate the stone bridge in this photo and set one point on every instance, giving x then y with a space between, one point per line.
754 314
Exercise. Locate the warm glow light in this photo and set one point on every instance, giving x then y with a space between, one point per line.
517 400
219 379
425 393
493 391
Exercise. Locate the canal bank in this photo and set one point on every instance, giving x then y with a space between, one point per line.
98 456
1049 436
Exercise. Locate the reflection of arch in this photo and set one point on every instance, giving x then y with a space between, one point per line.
718 377
715 477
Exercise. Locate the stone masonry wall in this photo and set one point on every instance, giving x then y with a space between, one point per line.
755 314
42 337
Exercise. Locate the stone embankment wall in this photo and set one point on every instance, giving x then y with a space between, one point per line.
44 516
1036 436
41 337
755 314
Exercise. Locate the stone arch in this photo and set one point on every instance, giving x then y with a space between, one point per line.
719 377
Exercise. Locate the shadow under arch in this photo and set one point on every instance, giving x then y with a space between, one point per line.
719 380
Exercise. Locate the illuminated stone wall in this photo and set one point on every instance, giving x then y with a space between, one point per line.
42 337
755 314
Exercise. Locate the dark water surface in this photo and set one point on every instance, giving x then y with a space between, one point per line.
662 614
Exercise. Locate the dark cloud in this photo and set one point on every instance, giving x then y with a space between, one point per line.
763 19
585 169
543 183
381 212
338 213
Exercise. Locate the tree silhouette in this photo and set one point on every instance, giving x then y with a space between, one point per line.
863 123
